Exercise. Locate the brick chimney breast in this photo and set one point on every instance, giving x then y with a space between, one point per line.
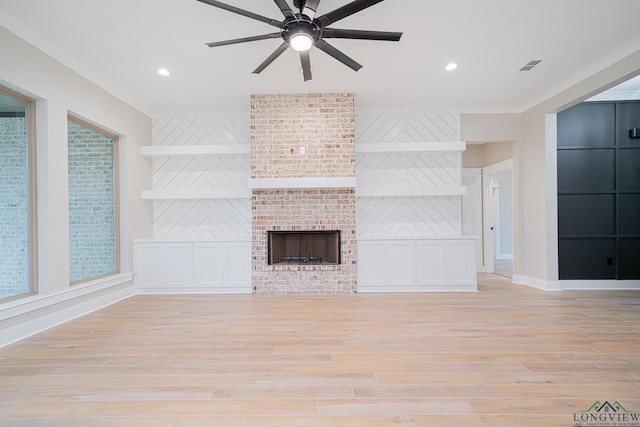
296 137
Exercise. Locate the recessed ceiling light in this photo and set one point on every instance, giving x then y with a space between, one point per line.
164 72
451 66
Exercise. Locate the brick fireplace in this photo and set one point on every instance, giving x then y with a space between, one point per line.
303 181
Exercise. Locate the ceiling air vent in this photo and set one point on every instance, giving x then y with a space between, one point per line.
530 65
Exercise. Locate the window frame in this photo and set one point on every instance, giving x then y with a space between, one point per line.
32 189
116 193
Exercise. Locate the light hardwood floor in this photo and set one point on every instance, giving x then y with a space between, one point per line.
507 355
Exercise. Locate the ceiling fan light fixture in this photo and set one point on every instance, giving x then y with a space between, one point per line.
301 41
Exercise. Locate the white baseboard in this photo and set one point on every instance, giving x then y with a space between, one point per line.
544 285
25 317
600 284
194 291
567 285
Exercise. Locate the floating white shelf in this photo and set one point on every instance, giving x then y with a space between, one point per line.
410 192
411 147
237 193
301 183
195 150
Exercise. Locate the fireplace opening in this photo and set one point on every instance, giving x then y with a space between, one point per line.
303 247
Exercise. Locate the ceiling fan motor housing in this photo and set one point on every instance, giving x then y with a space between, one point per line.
302 25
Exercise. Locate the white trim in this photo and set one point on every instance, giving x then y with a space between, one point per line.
410 192
195 150
496 168
301 183
35 314
600 285
551 193
410 147
576 285
413 238
543 285
243 290
223 240
234 193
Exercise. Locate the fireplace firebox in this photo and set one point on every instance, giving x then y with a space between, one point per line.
306 247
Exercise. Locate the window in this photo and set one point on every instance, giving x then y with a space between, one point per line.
17 196
93 213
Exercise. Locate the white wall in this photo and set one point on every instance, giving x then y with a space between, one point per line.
59 91
506 130
534 169
539 174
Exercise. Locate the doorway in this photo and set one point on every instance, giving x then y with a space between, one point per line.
499 219
487 207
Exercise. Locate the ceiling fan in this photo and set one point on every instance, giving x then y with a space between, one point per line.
303 30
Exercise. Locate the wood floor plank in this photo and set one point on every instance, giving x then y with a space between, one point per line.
507 355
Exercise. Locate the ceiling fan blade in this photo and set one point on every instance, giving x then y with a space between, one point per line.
284 46
286 10
242 12
332 51
328 33
244 40
306 65
310 8
344 11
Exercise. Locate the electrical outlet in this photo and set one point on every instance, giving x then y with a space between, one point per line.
302 150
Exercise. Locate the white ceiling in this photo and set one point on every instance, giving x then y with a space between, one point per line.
119 44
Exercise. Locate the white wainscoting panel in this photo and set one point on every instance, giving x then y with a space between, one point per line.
177 257
417 265
457 256
237 272
373 270
431 266
193 267
400 260
209 265
149 265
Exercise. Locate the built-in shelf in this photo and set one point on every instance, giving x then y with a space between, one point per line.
301 183
237 193
411 147
411 192
195 150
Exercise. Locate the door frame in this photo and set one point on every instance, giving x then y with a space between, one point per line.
488 215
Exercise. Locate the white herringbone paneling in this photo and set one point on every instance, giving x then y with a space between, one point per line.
209 219
201 173
201 130
398 217
409 171
201 219
415 217
374 127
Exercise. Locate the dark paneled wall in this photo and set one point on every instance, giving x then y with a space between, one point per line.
599 191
